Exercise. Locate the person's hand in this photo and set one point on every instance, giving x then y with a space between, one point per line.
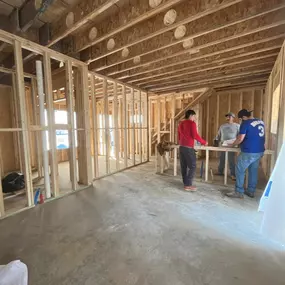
206 144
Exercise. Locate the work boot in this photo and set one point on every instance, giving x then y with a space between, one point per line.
235 195
249 194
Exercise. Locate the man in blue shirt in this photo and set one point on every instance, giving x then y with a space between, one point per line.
252 140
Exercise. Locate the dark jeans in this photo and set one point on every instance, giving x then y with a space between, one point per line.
188 164
231 156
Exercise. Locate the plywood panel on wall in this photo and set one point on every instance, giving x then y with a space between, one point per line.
6 139
248 100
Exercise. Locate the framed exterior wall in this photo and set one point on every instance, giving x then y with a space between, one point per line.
274 107
89 103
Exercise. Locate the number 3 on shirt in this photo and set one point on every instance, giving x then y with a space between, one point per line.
261 131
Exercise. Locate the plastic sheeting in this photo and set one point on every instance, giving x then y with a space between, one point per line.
14 273
273 202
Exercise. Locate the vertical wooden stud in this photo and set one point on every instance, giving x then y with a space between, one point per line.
20 87
207 166
125 120
71 122
51 124
140 126
116 125
95 126
208 119
107 129
133 135
226 168
175 162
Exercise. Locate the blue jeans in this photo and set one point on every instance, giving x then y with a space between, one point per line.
231 159
250 161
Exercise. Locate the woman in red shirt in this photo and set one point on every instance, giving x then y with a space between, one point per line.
187 134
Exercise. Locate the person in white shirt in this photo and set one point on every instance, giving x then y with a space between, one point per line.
227 131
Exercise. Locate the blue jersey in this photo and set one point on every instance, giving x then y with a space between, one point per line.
254 132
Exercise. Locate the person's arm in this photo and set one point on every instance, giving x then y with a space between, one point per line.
241 135
196 135
219 135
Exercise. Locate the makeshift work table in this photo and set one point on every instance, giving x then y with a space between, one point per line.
162 162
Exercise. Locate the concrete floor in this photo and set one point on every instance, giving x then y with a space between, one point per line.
139 228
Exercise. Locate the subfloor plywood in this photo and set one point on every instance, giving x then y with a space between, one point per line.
137 227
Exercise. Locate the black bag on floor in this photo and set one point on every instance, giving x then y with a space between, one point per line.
13 182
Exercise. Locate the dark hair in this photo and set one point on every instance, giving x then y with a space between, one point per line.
244 113
189 113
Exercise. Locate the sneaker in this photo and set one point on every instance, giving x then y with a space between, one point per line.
190 188
235 195
233 177
249 194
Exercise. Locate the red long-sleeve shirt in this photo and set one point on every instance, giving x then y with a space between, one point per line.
187 134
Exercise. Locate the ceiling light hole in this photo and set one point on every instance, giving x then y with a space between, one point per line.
180 32
111 44
93 34
188 43
137 59
154 3
69 21
170 17
125 52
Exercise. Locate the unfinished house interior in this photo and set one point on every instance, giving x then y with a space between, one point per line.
88 90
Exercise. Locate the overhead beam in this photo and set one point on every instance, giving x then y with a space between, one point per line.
245 26
207 54
240 75
220 70
206 66
187 12
81 13
136 12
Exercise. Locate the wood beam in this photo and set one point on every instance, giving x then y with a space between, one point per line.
124 19
207 56
51 124
20 88
81 15
206 66
210 83
224 69
226 31
71 122
187 12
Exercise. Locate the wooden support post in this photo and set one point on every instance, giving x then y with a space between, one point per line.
71 122
261 104
252 100
125 110
229 102
2 207
20 87
133 134
51 124
37 123
83 123
95 127
140 126
116 125
217 119
208 120
207 166
175 162
15 122
164 114
149 125
240 100
107 127
172 124
226 168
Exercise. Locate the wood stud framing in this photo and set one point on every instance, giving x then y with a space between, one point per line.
82 99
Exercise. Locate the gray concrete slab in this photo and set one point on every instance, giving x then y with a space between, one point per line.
139 228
